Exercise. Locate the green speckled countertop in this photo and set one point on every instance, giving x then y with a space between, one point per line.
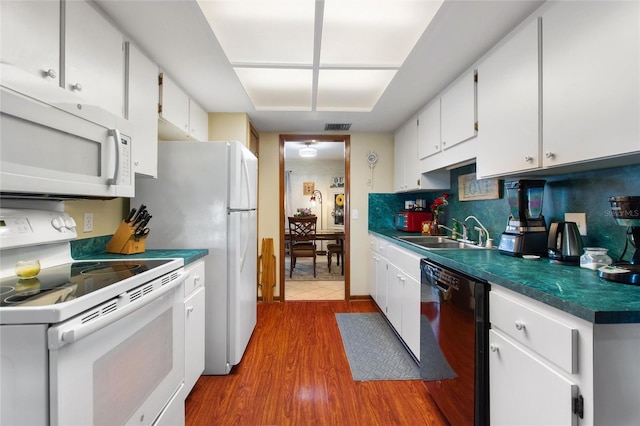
189 255
571 289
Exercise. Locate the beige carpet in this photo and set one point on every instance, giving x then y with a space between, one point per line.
304 269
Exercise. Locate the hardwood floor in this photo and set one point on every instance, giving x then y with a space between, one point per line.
295 372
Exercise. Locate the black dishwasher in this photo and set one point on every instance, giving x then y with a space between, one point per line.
454 336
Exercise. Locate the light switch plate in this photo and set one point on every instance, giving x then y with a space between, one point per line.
580 219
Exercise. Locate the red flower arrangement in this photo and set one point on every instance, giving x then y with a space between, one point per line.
438 205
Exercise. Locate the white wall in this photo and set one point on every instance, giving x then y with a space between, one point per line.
107 215
321 173
229 126
361 144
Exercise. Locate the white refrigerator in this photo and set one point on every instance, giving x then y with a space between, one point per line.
205 198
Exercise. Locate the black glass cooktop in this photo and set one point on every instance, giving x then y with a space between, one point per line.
62 283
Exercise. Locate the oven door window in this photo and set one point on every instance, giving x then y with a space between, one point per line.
124 373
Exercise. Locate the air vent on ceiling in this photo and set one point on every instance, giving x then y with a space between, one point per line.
337 126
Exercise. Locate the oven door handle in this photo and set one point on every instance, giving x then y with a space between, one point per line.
59 337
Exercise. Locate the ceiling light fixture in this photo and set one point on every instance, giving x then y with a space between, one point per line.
307 151
342 58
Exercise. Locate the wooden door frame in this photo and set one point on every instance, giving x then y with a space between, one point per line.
346 139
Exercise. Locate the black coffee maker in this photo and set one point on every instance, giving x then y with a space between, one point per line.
526 232
626 212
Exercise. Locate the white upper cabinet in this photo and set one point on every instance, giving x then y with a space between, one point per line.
458 111
89 68
142 110
198 122
450 119
181 117
406 165
562 90
36 52
94 58
447 130
591 83
174 104
429 130
508 94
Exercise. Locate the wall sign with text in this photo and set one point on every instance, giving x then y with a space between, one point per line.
470 188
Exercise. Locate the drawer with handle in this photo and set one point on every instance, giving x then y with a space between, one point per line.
196 277
544 333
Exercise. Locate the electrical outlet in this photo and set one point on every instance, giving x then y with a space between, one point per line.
88 222
580 219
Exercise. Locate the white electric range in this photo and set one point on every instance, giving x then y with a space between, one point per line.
86 342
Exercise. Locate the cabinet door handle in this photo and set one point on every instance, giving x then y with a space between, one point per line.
189 310
50 73
549 154
528 158
520 325
493 347
77 87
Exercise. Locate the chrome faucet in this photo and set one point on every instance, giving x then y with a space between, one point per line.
465 229
480 230
453 233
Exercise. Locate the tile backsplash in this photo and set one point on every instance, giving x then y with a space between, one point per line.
584 192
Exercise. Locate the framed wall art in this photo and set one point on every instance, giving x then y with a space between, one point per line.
307 188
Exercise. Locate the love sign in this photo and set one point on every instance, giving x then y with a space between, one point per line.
470 188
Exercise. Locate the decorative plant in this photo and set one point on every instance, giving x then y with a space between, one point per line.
438 205
303 212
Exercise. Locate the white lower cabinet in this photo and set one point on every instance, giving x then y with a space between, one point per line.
394 284
548 367
547 397
403 295
539 362
395 289
411 314
194 306
378 277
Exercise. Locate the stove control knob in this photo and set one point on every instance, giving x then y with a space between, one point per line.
69 223
58 223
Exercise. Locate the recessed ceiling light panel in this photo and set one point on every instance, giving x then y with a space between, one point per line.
354 47
379 33
277 89
351 90
263 32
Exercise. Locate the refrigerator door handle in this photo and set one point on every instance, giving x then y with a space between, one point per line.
245 169
245 243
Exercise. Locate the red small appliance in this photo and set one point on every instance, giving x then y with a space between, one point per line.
411 220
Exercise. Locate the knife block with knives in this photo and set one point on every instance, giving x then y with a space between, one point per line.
130 236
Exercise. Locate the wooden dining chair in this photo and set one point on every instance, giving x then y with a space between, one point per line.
338 250
302 237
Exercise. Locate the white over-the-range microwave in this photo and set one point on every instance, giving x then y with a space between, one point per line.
54 145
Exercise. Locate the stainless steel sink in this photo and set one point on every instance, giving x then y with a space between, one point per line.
424 239
430 242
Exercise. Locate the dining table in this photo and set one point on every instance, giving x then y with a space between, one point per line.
325 235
